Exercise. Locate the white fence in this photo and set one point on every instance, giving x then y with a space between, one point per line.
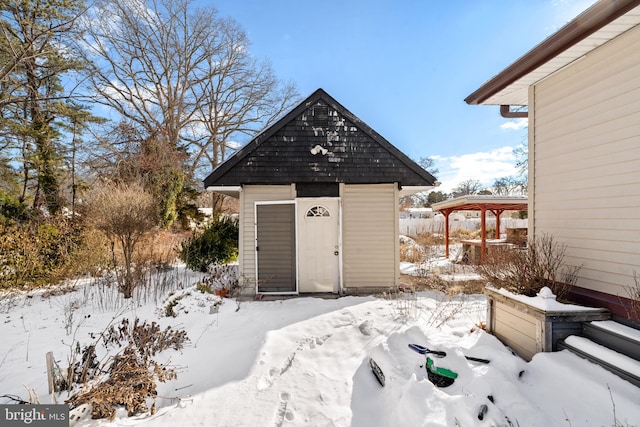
413 227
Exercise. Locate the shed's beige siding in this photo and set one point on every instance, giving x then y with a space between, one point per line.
370 235
247 231
586 162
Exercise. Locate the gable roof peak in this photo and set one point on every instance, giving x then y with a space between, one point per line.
424 177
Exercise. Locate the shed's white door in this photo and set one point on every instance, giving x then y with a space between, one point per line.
318 245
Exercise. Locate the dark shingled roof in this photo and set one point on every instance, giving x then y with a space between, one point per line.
319 141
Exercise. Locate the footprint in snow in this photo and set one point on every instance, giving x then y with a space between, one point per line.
365 327
346 319
316 341
266 380
283 414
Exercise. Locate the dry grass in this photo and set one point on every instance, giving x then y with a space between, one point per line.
464 234
410 252
160 248
423 247
433 282
426 246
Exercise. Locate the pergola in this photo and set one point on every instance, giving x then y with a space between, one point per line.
494 204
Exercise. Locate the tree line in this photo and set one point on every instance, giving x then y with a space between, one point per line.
111 112
504 186
156 92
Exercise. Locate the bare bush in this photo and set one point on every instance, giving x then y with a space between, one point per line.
404 302
221 276
125 213
446 309
526 271
632 307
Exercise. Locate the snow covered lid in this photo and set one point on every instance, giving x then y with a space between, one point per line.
546 293
543 302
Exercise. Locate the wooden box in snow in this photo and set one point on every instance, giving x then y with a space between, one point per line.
529 325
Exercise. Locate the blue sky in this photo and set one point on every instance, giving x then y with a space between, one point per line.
405 67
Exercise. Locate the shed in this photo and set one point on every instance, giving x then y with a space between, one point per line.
581 90
319 199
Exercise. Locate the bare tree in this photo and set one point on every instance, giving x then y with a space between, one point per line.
241 97
510 186
467 187
522 158
183 72
428 163
515 185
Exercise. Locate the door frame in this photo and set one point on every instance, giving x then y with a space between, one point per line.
255 243
338 286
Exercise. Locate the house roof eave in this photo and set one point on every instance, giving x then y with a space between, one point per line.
595 18
228 190
408 190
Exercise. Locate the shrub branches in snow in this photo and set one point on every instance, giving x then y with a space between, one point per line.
132 374
526 271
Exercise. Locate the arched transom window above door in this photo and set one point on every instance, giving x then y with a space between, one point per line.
318 211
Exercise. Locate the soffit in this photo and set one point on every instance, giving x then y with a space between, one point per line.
516 92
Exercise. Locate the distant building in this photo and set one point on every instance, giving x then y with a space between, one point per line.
417 213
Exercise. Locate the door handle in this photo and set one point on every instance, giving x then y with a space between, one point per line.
336 253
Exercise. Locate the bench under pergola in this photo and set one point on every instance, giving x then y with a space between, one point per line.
494 204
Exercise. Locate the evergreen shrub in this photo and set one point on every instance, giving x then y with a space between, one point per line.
11 209
217 243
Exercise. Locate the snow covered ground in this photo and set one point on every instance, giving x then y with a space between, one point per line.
305 361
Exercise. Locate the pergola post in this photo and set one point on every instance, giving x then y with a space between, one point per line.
446 213
483 232
497 213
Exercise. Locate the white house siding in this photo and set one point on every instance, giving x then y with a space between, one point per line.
370 235
586 163
247 232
